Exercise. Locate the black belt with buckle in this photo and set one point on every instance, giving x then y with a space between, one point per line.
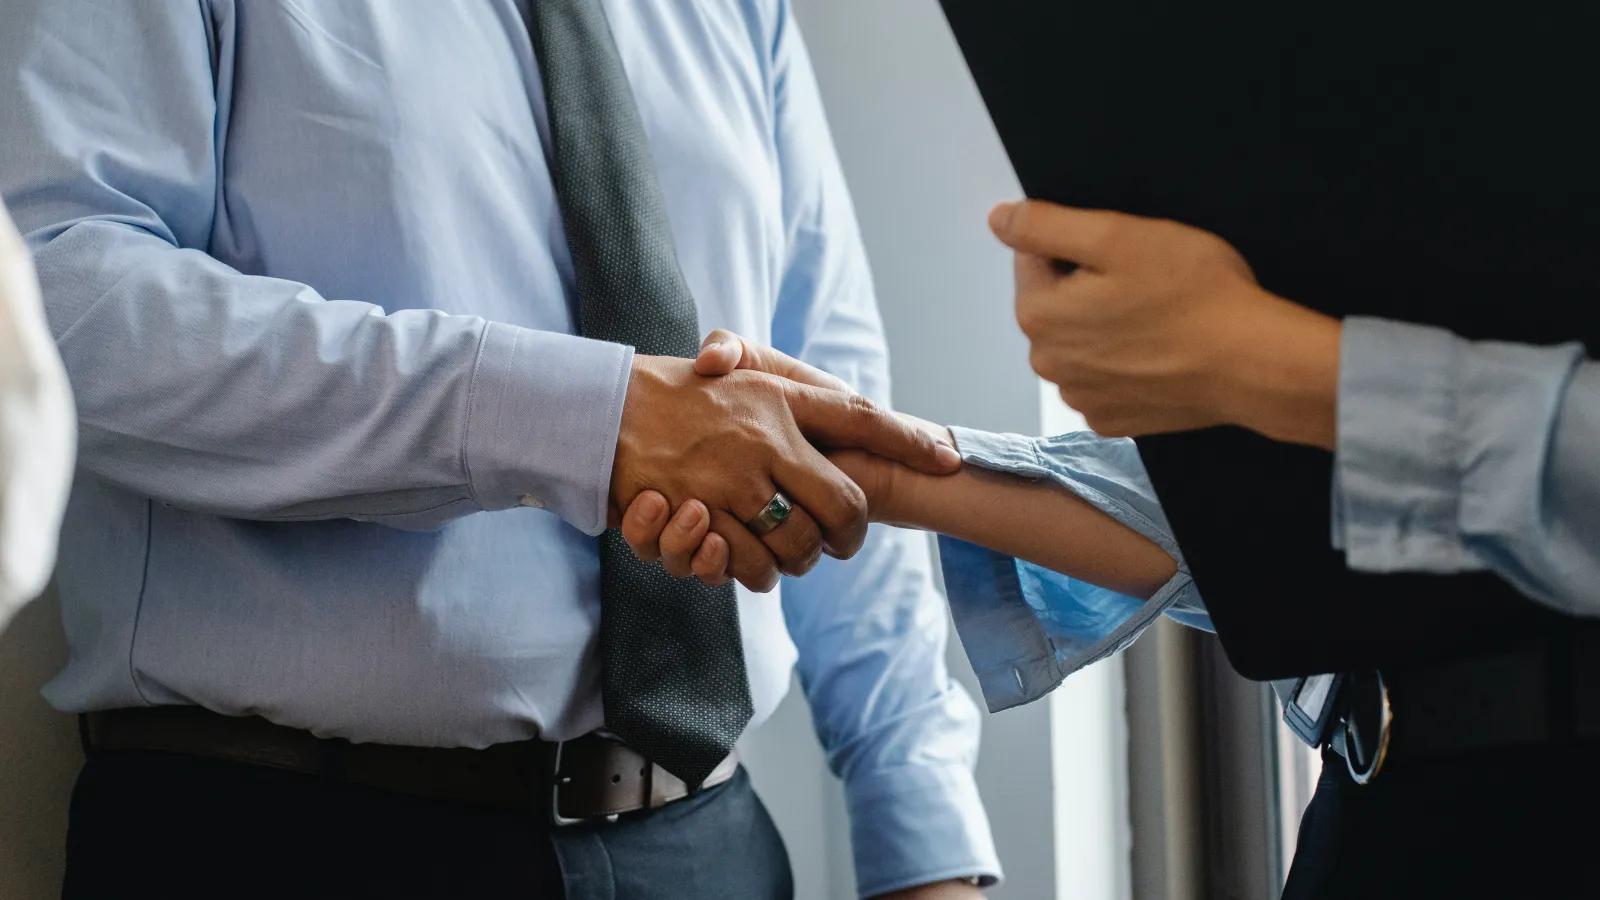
588 779
1542 691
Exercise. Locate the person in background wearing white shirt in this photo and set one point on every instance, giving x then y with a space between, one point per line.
37 435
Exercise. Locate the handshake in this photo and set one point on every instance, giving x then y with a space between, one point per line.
706 445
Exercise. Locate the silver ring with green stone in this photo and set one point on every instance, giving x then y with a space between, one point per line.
776 513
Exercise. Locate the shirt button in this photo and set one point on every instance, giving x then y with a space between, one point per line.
532 502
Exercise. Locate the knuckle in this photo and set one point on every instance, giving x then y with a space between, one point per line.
1084 404
756 494
1104 418
641 545
675 544
686 522
1042 362
803 566
632 532
854 510
807 545
761 581
846 507
862 405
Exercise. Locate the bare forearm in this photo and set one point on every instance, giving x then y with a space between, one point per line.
1035 521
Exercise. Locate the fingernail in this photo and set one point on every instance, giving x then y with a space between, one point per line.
1002 215
947 456
712 345
689 518
655 506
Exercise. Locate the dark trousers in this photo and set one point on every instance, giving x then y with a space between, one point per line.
1503 824
166 825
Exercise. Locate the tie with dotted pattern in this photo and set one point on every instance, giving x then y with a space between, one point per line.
674 681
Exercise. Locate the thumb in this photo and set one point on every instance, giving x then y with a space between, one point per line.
1087 237
724 351
719 353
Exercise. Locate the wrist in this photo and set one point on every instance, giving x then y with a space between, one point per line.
653 382
889 501
1280 372
953 889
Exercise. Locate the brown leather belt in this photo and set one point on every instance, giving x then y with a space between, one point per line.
591 778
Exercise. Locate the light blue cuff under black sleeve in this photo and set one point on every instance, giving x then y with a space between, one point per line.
1026 628
1456 455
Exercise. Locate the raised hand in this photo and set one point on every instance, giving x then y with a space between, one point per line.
733 441
1158 326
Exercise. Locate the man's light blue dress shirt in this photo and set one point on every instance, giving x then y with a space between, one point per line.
1452 456
343 458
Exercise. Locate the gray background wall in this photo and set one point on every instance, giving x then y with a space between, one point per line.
925 167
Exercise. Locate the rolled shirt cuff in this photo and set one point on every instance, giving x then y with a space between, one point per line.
1025 628
544 413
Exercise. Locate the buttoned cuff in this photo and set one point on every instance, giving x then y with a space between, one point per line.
919 824
544 413
1026 628
1014 454
1397 477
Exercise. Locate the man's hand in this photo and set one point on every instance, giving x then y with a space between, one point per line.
688 541
1156 326
687 547
732 442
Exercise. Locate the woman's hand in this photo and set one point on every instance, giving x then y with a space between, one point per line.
884 481
1155 326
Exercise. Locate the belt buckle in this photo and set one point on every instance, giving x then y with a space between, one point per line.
1353 731
556 782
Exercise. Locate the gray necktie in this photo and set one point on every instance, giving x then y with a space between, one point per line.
674 679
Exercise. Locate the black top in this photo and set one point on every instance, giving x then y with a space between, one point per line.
1428 161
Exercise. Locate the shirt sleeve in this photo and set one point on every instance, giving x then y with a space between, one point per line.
211 389
1456 455
871 632
1026 628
